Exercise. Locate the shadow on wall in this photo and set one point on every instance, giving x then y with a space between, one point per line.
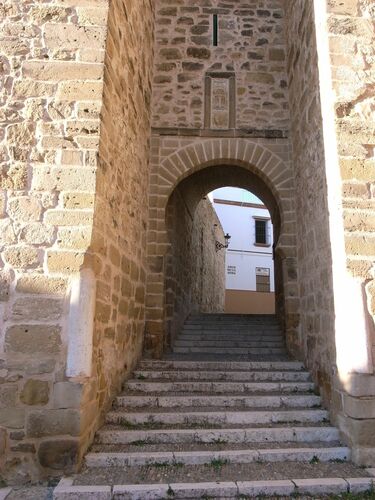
195 270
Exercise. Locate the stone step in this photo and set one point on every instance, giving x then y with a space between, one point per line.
242 401
243 344
232 319
256 376
235 490
241 435
217 417
224 337
232 329
196 335
123 459
231 350
218 387
151 364
202 356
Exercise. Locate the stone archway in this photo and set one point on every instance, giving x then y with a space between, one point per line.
269 175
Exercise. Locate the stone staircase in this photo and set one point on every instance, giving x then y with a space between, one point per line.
227 414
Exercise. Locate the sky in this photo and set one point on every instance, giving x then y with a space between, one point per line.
234 194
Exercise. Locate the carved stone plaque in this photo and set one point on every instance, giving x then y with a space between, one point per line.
220 103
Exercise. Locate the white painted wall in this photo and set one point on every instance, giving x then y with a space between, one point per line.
239 223
245 263
242 253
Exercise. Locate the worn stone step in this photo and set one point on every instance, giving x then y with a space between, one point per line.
256 376
228 343
243 489
242 401
72 489
151 364
261 341
217 417
174 447
231 350
123 459
242 435
211 335
232 319
222 357
232 329
215 387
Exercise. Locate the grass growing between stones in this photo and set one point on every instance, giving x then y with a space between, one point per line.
170 492
365 495
218 463
140 442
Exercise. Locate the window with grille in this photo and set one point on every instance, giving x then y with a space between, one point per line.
231 270
260 232
263 283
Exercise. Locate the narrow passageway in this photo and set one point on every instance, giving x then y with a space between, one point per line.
227 414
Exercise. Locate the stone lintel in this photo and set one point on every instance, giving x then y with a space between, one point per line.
235 133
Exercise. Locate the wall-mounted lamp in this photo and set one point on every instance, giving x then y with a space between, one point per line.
220 246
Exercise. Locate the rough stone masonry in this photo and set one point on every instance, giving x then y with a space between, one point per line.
114 111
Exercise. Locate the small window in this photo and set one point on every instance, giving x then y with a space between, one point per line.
231 270
215 30
260 232
263 279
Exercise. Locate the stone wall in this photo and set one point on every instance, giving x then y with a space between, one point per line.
118 244
195 271
313 237
352 55
335 243
250 44
52 223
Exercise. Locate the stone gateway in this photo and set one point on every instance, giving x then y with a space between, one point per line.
118 118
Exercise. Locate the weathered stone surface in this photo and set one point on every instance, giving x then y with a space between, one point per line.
7 233
8 395
33 339
53 422
41 284
12 418
58 454
61 71
240 38
67 395
24 209
37 233
78 200
35 392
22 257
6 278
37 309
64 262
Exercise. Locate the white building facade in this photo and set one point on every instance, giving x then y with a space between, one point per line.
249 257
